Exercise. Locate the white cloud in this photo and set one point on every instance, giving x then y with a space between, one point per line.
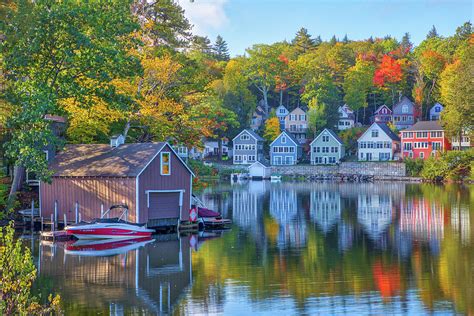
205 15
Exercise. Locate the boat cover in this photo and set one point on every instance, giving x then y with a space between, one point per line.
205 212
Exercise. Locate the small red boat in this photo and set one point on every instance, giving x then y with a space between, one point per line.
105 228
209 218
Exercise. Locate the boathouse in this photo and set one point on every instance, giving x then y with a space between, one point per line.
150 178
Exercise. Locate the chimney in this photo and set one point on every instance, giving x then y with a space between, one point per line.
117 140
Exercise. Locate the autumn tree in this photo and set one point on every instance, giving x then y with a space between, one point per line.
317 116
76 53
261 69
457 94
272 127
388 74
357 84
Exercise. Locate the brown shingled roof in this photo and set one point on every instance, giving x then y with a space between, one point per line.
425 126
99 160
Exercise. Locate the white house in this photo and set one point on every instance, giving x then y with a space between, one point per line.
281 113
247 147
260 170
326 148
378 143
346 118
435 111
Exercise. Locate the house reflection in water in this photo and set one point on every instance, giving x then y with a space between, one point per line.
149 279
325 207
284 209
374 213
422 220
247 206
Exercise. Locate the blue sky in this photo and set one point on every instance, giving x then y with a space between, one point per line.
246 22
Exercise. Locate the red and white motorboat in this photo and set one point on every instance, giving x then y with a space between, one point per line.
105 247
106 228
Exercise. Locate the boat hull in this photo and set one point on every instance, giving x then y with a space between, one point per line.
108 232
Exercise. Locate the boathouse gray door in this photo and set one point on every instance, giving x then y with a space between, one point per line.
164 204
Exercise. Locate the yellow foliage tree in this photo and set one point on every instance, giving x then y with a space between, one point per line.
272 129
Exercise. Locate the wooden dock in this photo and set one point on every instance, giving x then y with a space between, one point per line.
57 235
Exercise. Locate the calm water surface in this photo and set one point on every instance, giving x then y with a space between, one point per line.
294 248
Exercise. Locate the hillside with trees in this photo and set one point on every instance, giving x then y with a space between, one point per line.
135 67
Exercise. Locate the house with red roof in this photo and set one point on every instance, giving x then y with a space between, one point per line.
424 139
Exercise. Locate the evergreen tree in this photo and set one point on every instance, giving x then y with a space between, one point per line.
333 40
345 40
464 31
406 44
221 52
303 41
318 40
432 33
201 44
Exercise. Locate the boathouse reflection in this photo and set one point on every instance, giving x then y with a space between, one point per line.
150 278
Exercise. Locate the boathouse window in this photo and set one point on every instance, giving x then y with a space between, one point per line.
165 164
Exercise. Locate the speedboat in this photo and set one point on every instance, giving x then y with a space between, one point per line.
105 228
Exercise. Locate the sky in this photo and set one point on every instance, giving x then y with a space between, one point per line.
243 23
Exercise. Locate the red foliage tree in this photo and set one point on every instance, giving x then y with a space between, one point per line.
389 71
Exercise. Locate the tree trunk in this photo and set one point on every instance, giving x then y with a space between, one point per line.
281 97
18 172
219 144
265 102
126 129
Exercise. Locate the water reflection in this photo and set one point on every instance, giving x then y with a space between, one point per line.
338 248
294 248
144 276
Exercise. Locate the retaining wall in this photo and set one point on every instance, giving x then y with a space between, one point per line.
376 169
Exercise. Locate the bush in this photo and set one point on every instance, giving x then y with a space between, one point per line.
414 166
200 169
17 275
452 165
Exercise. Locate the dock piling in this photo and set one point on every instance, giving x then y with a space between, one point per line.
65 219
77 212
32 224
52 223
55 213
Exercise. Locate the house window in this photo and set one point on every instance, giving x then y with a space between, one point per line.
332 159
318 149
436 146
422 155
283 140
325 138
405 108
437 109
165 163
244 137
407 146
375 133
292 149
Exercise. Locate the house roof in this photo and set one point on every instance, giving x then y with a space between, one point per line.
264 163
425 126
101 160
380 108
388 131
252 133
288 134
403 100
259 110
437 104
334 135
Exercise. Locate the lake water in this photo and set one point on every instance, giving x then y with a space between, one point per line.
294 248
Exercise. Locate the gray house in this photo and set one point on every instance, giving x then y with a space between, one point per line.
404 113
435 111
326 148
247 147
285 150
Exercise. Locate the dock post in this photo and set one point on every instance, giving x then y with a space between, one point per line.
52 223
32 214
101 210
55 213
77 212
41 223
80 220
65 220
